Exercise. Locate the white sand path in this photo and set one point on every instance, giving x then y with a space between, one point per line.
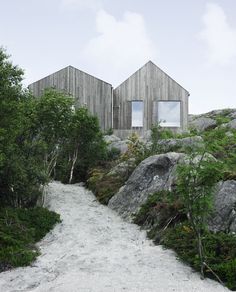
93 250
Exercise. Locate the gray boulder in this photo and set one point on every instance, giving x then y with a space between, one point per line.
168 145
232 124
115 142
202 123
224 215
233 114
153 174
121 145
111 139
123 168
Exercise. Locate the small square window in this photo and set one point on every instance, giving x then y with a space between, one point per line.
169 113
137 114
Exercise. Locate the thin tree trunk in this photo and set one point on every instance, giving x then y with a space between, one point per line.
74 159
200 252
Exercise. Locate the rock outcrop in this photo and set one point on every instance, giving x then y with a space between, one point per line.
202 123
170 144
111 139
123 168
155 173
224 214
232 124
213 119
115 142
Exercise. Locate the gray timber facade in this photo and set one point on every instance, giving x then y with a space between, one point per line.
150 85
147 97
88 91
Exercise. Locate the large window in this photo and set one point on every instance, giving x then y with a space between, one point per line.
137 114
169 113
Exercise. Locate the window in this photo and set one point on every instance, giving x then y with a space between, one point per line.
169 113
137 114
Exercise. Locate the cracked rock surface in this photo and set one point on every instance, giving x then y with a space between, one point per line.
155 173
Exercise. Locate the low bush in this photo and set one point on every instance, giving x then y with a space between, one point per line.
105 186
20 229
160 212
219 249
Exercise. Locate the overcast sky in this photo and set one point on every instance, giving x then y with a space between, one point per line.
194 41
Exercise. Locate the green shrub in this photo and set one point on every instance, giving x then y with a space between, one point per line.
161 210
20 229
220 251
222 146
113 154
136 150
105 186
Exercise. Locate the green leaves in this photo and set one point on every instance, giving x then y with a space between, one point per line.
195 186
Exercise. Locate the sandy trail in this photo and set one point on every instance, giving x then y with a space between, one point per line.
93 250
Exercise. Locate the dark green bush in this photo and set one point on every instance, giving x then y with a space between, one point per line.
220 251
105 186
159 210
20 229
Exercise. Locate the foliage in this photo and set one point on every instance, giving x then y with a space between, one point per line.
21 170
84 147
222 144
108 132
19 230
195 186
157 133
53 114
105 186
113 154
219 250
164 216
40 139
136 149
161 210
222 120
159 207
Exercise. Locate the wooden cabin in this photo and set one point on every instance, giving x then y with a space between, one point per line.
88 91
147 97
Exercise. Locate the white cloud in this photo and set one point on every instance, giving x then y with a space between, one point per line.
218 35
82 4
121 45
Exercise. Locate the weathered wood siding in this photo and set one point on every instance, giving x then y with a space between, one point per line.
87 90
149 84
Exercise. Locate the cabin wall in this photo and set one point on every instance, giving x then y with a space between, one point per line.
92 93
149 84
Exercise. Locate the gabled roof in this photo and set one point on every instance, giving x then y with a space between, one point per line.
153 64
66 68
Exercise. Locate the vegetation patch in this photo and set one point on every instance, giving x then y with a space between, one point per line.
159 211
167 225
105 186
20 229
221 143
219 250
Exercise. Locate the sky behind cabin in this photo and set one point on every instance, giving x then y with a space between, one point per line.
193 41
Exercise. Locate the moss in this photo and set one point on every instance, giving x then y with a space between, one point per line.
20 229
